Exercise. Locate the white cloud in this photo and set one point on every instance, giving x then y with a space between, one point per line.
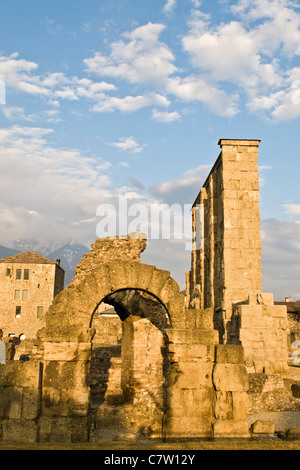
293 209
47 189
23 76
250 53
196 88
165 116
144 60
281 258
141 58
181 190
128 144
169 6
129 103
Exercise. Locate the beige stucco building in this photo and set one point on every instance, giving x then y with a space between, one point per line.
28 284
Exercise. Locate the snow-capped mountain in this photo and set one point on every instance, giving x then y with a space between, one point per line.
69 254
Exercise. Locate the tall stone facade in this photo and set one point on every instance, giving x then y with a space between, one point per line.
225 270
174 369
226 262
28 284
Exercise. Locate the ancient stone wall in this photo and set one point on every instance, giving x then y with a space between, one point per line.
261 327
206 394
226 260
20 401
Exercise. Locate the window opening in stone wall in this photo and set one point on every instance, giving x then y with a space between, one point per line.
17 294
18 273
24 294
129 363
39 311
18 311
26 274
7 271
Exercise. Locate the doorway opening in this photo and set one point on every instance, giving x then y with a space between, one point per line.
129 365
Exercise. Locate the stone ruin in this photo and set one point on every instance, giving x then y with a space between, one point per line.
163 366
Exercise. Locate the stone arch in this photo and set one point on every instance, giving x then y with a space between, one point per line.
72 308
67 337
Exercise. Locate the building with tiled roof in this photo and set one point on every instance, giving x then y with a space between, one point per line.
28 284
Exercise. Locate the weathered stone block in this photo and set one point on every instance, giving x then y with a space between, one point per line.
230 377
31 404
11 403
229 354
231 429
20 431
186 428
193 336
190 402
65 375
191 352
17 373
52 405
77 401
241 405
63 429
224 406
67 351
195 375
262 427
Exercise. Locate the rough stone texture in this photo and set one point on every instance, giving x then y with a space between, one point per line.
45 281
106 249
271 393
262 329
157 369
225 271
20 400
227 267
262 427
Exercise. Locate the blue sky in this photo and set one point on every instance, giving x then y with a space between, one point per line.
110 98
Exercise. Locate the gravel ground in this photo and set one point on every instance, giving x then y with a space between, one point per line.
281 419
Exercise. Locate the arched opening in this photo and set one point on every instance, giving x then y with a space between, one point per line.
129 364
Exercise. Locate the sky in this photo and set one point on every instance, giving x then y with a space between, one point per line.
103 101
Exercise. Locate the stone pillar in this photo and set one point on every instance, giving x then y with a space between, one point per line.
226 255
190 390
241 224
65 393
20 401
142 363
231 383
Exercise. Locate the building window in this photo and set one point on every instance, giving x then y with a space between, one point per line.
17 294
18 311
24 294
26 274
39 311
18 273
7 271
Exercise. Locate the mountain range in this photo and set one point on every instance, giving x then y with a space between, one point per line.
69 254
